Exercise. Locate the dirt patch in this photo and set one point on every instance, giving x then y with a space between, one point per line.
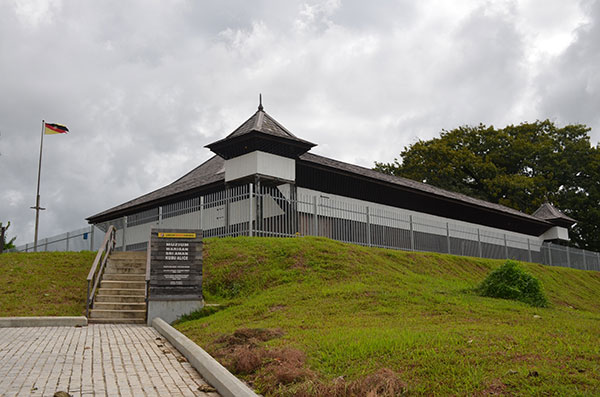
284 368
495 388
250 336
382 383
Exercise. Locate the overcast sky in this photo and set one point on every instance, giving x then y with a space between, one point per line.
144 85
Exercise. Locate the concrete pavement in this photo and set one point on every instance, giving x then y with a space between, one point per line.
97 360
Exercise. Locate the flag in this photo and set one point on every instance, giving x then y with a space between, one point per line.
55 129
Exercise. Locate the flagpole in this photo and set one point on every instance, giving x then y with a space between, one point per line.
37 200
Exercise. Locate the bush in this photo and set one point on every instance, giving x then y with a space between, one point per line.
510 281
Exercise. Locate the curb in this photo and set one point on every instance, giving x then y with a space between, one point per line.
7 322
215 374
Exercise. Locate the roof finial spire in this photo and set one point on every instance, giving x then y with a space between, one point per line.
260 106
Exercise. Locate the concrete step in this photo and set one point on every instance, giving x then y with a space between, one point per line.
126 262
125 270
117 284
101 313
119 306
128 255
122 291
116 321
119 298
123 277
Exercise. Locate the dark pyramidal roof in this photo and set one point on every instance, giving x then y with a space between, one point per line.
550 213
262 132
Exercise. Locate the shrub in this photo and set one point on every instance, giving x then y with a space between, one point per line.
510 281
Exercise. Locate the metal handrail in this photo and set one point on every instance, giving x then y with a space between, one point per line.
95 274
147 289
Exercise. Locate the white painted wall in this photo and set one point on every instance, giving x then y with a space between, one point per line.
556 233
260 163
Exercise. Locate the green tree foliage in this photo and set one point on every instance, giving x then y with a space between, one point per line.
510 281
6 243
517 166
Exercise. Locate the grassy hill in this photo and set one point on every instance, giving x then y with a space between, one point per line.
44 283
310 316
314 317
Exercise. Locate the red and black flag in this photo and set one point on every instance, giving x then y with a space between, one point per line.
51 129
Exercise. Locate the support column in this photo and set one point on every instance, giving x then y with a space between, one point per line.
448 236
124 242
92 238
316 217
293 209
250 209
368 227
412 236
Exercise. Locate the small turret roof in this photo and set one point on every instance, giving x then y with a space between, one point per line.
550 213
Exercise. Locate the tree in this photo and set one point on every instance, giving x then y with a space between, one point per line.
518 166
4 244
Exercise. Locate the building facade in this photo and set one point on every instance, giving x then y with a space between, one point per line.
264 181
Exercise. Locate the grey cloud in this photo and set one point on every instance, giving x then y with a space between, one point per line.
569 88
144 86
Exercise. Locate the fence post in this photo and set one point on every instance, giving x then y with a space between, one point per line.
124 247
316 216
479 244
529 250
91 237
46 244
368 227
505 247
412 237
448 236
568 257
250 209
67 241
201 210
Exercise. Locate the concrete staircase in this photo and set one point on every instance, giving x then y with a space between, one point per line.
120 297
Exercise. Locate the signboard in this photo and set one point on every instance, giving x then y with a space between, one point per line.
175 264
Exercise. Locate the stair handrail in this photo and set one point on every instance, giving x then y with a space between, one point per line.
95 274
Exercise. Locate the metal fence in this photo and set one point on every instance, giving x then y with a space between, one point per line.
282 212
87 238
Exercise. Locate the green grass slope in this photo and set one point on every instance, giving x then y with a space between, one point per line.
310 316
44 283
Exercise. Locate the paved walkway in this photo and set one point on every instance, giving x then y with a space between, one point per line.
97 360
